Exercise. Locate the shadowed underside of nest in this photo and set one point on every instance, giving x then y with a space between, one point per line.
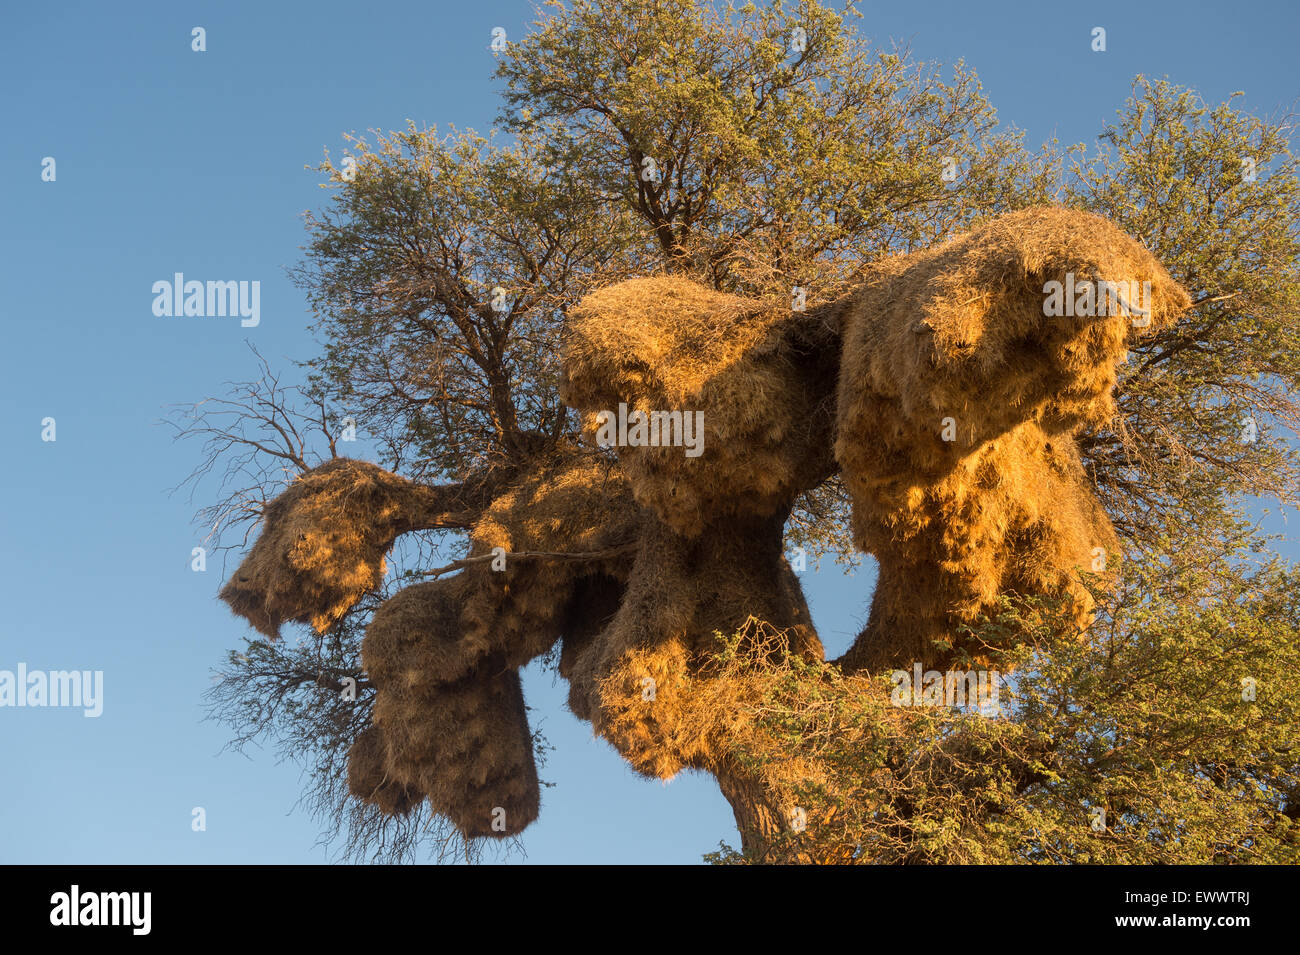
940 391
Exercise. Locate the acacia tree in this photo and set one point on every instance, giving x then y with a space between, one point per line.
1213 193
759 152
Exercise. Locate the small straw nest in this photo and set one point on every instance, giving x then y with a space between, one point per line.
322 545
761 375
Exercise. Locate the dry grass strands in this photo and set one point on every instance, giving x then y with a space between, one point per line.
630 682
368 777
581 505
322 545
761 375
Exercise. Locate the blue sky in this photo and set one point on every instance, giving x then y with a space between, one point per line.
171 161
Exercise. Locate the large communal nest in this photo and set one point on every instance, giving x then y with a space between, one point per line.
443 655
959 331
757 377
958 400
946 392
447 728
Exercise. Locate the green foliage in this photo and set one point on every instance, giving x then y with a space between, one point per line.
775 165
1177 713
439 275
1172 173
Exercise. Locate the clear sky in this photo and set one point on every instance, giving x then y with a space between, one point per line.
172 161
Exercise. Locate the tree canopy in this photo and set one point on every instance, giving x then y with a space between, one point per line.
773 152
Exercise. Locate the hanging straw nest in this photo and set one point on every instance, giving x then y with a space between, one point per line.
760 376
1017 515
415 636
322 545
466 746
959 331
443 654
452 722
